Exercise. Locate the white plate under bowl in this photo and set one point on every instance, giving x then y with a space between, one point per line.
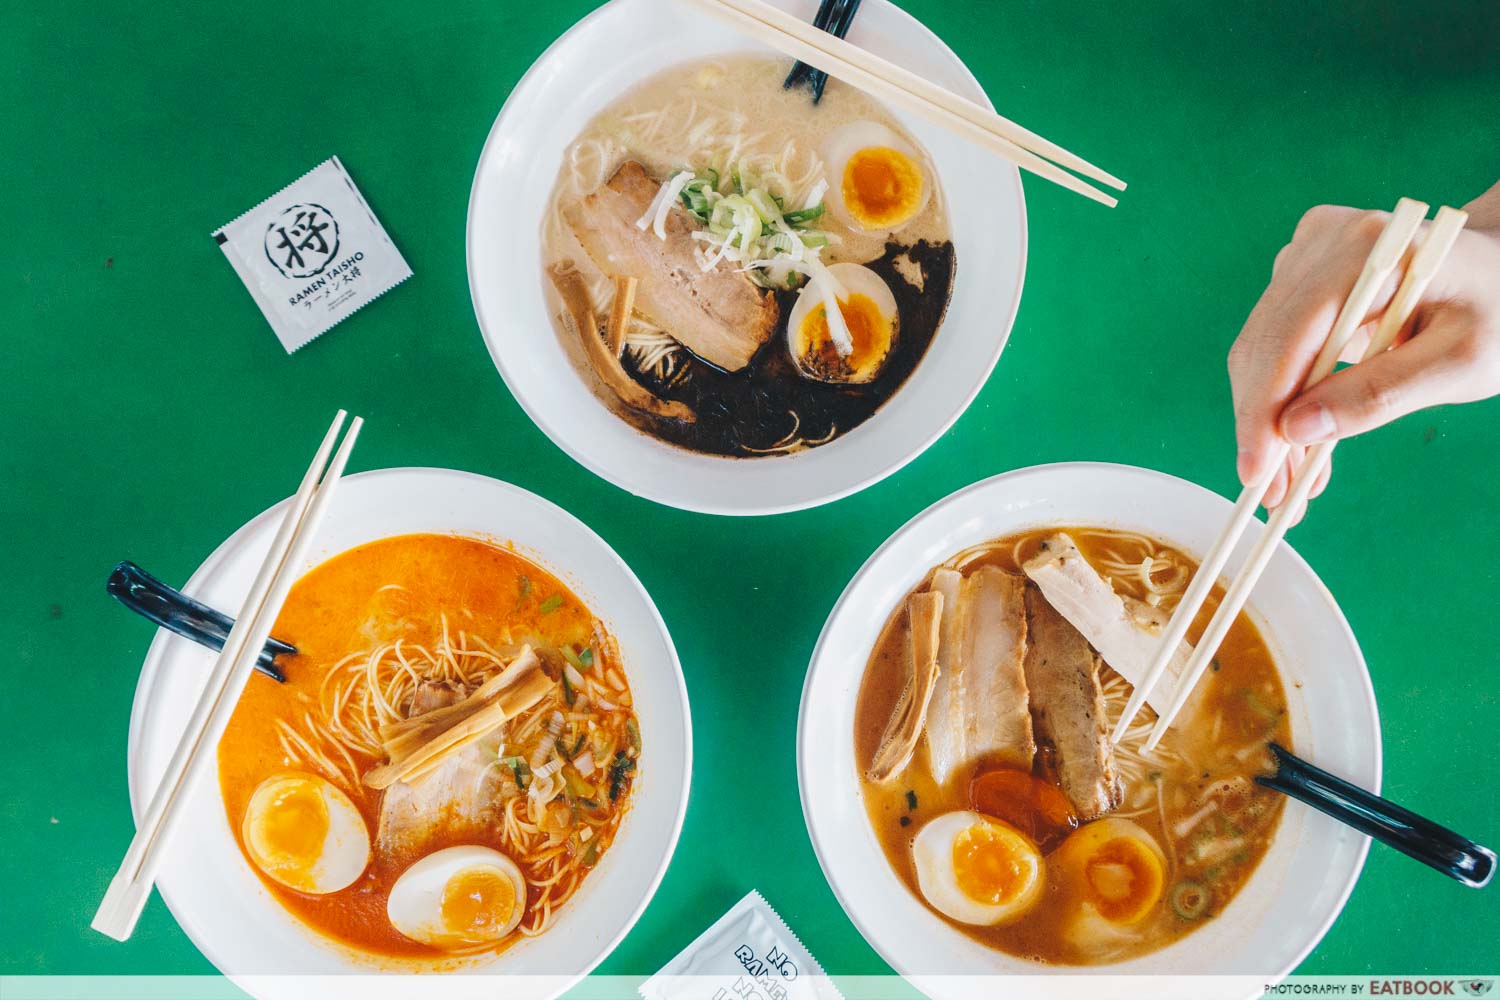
1310 869
605 54
206 881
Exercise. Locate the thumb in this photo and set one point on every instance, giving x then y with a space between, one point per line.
1416 374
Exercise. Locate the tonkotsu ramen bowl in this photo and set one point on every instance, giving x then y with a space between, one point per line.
1301 884
209 885
606 53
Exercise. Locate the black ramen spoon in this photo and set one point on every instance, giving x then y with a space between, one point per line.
834 17
153 600
1455 856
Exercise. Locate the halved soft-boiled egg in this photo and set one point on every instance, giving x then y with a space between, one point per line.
305 833
1113 868
870 315
876 181
459 897
977 869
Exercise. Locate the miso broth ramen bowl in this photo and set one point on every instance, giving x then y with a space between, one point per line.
209 885
1301 884
608 52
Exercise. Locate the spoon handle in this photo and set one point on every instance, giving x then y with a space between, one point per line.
172 610
1455 856
834 17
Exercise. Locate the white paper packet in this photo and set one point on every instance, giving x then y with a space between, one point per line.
312 253
748 954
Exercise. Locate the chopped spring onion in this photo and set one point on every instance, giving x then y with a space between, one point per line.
520 769
573 676
803 215
760 199
785 243
1189 899
551 604
633 731
570 694
743 219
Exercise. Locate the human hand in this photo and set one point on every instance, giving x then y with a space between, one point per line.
1448 353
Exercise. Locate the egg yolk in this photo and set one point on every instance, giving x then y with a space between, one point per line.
882 187
992 865
478 903
1124 879
287 832
868 330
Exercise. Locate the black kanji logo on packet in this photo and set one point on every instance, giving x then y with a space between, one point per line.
302 241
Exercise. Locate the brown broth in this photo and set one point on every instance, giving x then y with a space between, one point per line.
329 614
1243 692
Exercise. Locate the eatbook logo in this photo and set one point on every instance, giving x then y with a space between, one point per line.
302 241
1477 987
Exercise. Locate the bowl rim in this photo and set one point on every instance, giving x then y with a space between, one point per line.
1011 175
156 655
936 510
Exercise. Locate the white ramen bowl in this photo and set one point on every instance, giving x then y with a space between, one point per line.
206 881
605 54
1308 872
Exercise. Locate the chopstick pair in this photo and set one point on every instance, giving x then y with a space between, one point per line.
131 886
1386 256
877 76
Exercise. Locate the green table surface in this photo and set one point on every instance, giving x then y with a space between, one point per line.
146 410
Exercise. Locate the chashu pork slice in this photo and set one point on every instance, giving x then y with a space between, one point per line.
1062 676
456 796
719 315
1123 630
979 707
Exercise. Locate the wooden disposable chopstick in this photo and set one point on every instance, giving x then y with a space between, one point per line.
131 886
1383 259
875 75
1425 263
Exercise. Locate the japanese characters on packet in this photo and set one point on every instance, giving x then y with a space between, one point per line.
748 954
312 254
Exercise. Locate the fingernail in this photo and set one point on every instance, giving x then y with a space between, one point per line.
1308 423
1247 466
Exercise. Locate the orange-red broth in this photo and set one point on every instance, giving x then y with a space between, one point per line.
1243 692
482 588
